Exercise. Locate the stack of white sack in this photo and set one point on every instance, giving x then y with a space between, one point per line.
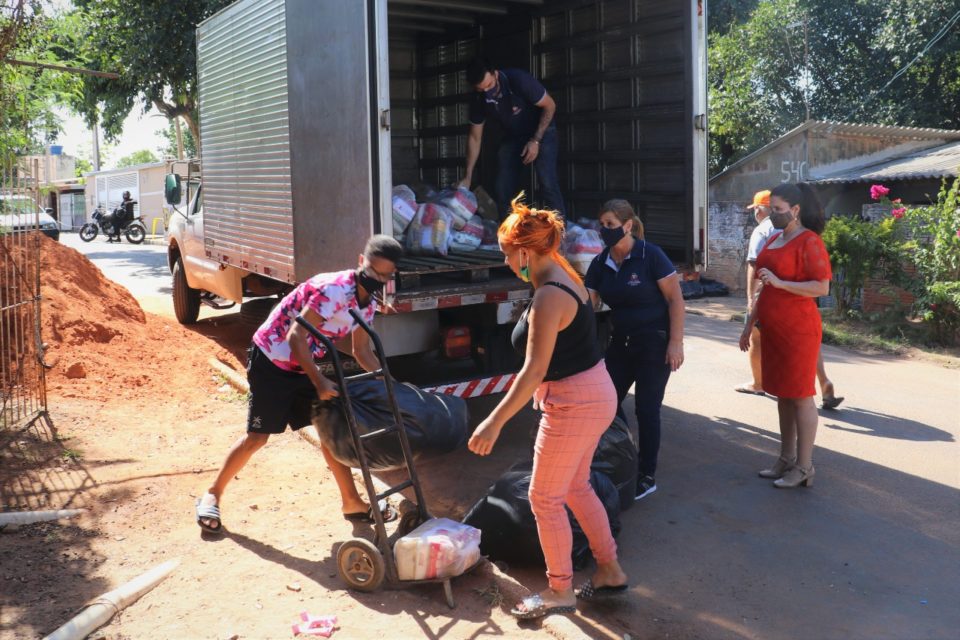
429 232
469 237
461 203
580 246
404 208
439 548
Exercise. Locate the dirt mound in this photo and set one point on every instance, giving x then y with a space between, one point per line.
96 332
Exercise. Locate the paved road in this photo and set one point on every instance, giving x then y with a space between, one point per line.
871 551
141 268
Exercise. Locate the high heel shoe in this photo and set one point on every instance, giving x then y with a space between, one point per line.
796 477
779 468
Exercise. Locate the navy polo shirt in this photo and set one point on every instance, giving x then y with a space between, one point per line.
631 290
515 106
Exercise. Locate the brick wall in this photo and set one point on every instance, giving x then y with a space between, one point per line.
879 295
729 229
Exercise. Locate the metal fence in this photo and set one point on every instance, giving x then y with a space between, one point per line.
23 395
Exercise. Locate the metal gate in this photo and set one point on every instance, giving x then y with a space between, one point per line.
23 395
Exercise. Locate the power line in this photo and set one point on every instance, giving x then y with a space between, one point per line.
934 40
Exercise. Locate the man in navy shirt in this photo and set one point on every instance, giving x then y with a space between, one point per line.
525 112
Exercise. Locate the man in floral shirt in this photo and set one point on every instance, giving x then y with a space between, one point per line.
285 379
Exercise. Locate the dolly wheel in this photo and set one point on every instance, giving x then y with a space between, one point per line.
408 522
360 565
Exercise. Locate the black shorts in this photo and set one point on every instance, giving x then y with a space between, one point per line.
277 397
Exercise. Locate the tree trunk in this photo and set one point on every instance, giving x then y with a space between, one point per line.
194 129
183 111
176 124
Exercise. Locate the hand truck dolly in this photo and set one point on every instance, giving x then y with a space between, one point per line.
365 565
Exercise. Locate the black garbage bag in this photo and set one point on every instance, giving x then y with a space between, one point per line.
691 289
616 457
434 423
713 287
509 530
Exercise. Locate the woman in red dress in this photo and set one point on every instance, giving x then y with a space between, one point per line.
795 270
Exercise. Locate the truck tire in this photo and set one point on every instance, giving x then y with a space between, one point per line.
186 301
254 312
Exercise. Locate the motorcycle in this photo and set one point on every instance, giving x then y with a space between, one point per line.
134 229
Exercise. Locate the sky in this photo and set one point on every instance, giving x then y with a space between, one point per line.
139 132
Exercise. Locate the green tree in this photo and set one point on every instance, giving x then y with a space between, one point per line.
83 166
831 58
143 156
28 94
153 46
170 135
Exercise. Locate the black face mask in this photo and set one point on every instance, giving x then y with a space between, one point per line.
611 237
371 284
780 220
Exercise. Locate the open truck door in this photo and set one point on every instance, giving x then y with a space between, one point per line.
293 102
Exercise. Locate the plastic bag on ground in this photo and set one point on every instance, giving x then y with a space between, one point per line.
580 246
429 232
468 238
404 208
434 423
691 289
461 203
509 530
713 287
438 548
616 457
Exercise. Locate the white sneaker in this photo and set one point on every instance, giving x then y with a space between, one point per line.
645 486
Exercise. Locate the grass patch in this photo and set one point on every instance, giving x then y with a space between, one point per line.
881 333
70 455
860 336
228 392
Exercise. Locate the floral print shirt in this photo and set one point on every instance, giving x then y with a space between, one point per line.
329 295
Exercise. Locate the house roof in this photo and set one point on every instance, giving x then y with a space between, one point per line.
130 169
846 128
936 162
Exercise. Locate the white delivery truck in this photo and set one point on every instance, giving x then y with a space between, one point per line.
312 110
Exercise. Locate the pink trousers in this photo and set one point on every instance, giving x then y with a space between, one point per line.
576 412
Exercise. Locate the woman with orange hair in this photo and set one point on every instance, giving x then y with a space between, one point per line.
564 372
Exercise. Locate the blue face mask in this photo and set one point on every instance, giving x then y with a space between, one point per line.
612 236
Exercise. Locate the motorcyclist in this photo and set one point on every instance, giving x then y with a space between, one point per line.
121 215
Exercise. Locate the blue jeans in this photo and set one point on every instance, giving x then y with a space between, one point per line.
641 358
510 168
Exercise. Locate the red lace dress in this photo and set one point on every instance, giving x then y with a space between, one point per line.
790 325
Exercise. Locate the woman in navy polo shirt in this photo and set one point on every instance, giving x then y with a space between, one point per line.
641 286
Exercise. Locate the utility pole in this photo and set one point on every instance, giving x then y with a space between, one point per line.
96 147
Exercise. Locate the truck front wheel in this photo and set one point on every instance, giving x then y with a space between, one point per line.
186 301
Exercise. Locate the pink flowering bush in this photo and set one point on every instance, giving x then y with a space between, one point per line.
929 239
878 192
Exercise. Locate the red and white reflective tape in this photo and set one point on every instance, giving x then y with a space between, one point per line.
475 388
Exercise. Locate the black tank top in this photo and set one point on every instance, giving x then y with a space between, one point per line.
576 349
